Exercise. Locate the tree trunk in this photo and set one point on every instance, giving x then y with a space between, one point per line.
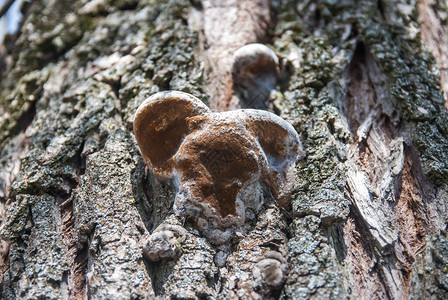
363 83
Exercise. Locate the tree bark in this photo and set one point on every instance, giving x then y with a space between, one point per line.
363 83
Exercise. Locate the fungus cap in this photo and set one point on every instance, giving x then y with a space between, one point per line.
254 71
163 243
271 269
160 124
252 60
215 157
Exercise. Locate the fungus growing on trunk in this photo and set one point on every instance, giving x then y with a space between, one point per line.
164 243
255 70
216 159
271 270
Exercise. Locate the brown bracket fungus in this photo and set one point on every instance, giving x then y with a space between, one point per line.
164 243
255 69
216 159
271 270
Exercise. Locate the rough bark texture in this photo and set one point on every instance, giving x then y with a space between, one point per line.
363 82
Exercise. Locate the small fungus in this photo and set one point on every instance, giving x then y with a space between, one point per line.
164 243
216 159
271 270
255 69
221 257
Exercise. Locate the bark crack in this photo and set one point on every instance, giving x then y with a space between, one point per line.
384 186
76 254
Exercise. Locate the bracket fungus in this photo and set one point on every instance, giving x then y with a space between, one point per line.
255 69
271 270
216 159
164 243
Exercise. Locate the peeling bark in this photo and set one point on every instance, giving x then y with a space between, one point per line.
385 185
368 211
435 36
